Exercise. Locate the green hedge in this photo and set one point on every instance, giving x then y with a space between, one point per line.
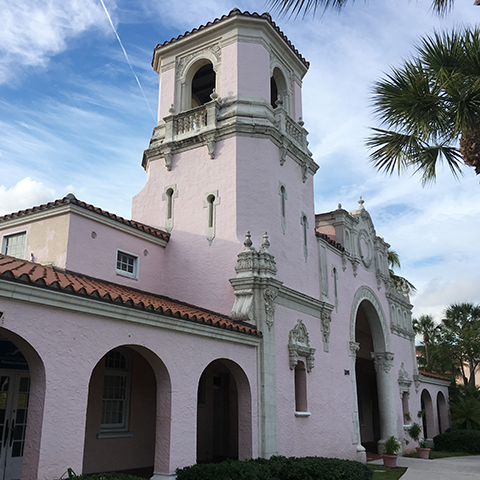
458 441
105 476
278 468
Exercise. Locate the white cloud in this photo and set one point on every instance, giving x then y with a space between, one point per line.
25 194
33 32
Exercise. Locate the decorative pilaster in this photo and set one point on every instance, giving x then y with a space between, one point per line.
256 288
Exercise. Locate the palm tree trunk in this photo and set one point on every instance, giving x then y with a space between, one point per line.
470 148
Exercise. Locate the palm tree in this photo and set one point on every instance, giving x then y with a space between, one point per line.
426 327
400 283
428 105
296 7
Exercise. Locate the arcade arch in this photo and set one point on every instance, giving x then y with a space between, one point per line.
224 413
128 386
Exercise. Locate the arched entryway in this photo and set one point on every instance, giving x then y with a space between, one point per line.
442 411
427 415
224 413
376 417
22 394
126 388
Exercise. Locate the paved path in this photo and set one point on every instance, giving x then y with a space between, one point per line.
454 468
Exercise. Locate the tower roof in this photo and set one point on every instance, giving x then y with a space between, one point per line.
234 13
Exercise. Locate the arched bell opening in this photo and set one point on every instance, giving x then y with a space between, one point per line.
203 84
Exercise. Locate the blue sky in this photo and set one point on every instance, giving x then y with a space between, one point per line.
73 119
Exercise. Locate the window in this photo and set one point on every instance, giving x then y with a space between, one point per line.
211 201
127 264
282 191
300 388
14 245
116 392
203 84
168 196
304 222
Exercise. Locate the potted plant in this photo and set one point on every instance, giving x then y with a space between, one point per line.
422 450
391 448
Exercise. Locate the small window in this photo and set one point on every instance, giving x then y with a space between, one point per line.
282 191
116 392
127 264
211 201
169 195
14 245
300 388
304 222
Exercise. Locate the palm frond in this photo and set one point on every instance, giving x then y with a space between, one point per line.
303 7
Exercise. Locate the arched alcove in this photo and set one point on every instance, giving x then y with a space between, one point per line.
279 94
22 395
428 415
128 386
224 413
442 412
203 83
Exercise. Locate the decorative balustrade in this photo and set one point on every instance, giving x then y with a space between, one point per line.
295 132
190 121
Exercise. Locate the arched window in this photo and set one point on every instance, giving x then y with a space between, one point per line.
279 94
282 191
116 391
211 201
169 195
304 222
300 387
203 83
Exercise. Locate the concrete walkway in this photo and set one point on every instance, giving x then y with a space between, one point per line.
454 468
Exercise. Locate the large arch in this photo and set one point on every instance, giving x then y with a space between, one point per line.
224 413
22 373
374 418
128 413
442 412
428 418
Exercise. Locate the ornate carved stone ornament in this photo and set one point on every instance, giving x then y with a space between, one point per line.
254 269
365 247
404 381
182 62
299 346
269 295
383 361
353 348
326 319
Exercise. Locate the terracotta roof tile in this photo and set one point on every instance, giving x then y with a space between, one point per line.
17 270
433 375
71 199
234 13
330 241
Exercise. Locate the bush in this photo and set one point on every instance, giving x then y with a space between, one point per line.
278 468
458 441
105 476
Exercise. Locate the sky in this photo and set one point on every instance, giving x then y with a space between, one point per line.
73 118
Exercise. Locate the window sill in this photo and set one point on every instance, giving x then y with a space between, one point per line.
302 414
123 434
127 275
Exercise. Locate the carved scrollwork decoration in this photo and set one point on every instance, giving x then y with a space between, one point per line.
299 346
269 294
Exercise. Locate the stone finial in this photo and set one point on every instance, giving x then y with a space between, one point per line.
248 241
301 122
265 243
361 202
339 206
171 110
214 95
279 101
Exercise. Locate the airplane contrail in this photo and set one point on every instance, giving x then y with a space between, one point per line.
126 56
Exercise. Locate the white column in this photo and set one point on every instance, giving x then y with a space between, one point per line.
383 362
353 347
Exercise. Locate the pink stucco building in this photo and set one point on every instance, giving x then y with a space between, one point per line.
189 334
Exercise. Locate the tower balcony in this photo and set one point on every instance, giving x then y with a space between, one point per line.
218 119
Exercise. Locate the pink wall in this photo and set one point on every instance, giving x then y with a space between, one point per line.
166 93
78 346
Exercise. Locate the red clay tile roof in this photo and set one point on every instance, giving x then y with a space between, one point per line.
234 13
330 241
433 375
21 271
71 199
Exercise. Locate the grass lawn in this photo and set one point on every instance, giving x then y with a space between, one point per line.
384 473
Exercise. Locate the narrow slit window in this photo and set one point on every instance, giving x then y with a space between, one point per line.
282 191
300 388
210 200
210 203
169 194
304 222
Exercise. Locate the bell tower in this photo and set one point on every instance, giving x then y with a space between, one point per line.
229 155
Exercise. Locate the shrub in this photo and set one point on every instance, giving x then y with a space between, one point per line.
104 476
392 445
278 468
458 441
